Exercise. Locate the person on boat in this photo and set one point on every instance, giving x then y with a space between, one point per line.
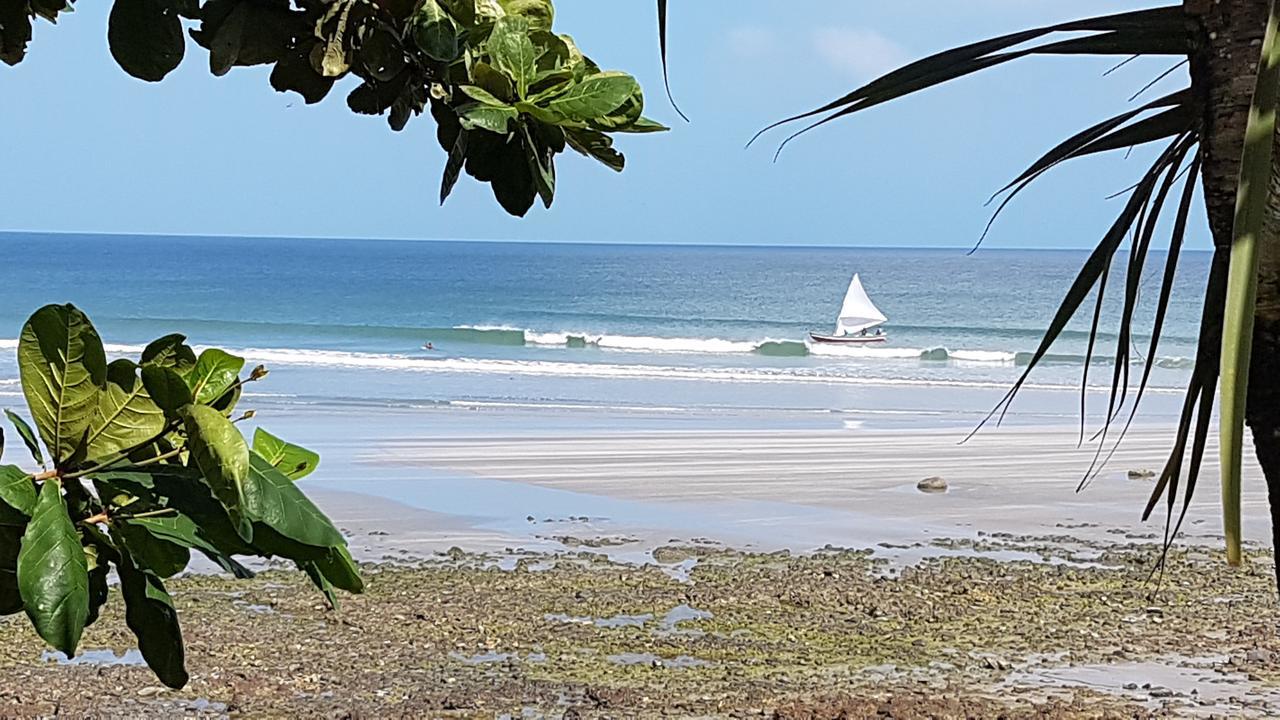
862 334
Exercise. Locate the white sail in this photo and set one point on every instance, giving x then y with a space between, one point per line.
857 313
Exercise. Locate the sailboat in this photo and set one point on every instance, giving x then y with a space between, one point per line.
857 315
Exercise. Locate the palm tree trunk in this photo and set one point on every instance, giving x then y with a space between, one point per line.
1223 72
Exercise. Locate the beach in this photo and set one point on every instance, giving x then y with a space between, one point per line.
712 572
601 501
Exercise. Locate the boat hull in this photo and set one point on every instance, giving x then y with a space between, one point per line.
848 339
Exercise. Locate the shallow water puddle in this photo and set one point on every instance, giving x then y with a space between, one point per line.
1191 682
678 662
486 658
96 658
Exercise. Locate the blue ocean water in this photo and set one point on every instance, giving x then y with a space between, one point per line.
517 323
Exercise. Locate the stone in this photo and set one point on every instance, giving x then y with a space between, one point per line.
932 485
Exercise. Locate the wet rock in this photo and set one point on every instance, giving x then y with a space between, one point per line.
932 485
1258 655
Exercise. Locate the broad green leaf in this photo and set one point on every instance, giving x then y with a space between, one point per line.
272 499
221 454
539 13
126 416
292 461
98 591
63 369
53 576
214 374
595 97
435 33
481 95
339 569
478 116
513 53
146 37
318 579
10 542
485 77
150 614
333 62
541 156
180 529
166 388
1252 201
17 491
155 553
642 125
28 436
596 144
170 351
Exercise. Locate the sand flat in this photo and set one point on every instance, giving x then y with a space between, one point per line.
1009 479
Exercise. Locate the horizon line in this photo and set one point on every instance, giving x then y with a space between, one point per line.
501 241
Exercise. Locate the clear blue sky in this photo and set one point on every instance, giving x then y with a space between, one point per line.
87 148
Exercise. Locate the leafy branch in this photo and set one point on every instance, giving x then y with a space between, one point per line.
540 92
148 466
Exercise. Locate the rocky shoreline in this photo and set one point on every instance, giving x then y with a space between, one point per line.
703 631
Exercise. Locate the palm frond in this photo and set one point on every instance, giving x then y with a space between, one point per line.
662 45
1157 31
1242 282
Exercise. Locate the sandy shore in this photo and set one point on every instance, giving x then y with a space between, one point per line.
857 488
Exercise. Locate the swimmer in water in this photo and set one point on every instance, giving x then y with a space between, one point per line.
428 346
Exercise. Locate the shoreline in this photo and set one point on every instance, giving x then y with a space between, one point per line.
832 634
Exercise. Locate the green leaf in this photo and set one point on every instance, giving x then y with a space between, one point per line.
593 143
542 158
154 553
17 491
435 33
597 96
126 416
10 542
170 351
98 591
292 461
318 579
53 576
485 77
333 60
166 388
273 499
63 369
513 53
179 529
642 125
539 13
214 374
146 37
478 116
28 436
1252 199
339 569
150 614
479 94
221 454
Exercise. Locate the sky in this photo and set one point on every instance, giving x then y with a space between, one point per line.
88 149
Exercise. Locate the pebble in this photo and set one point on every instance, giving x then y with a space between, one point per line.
932 485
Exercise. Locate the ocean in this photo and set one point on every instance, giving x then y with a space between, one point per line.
626 328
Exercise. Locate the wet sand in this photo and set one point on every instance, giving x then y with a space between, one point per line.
857 488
